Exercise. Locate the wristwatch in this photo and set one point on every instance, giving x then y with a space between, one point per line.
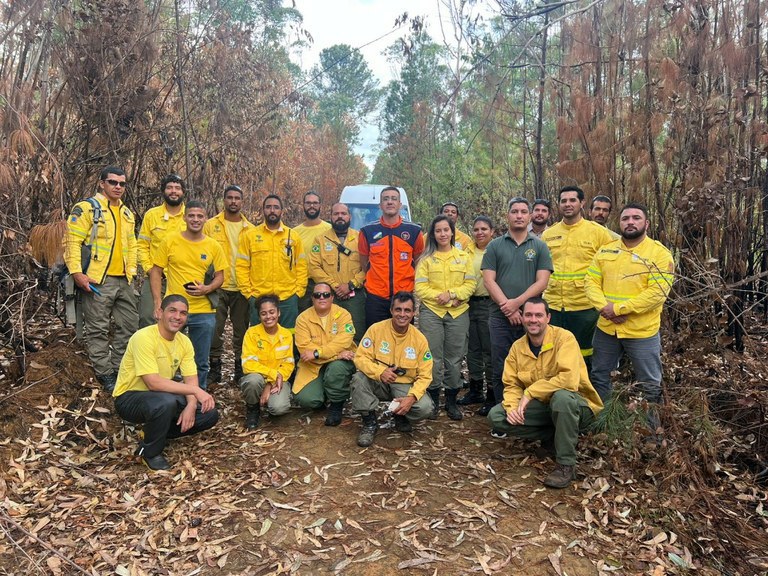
316 354
351 286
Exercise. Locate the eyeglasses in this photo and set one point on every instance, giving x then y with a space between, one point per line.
115 183
321 295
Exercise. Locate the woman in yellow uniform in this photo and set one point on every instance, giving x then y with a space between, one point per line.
445 279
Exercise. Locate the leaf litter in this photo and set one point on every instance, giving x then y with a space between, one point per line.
296 497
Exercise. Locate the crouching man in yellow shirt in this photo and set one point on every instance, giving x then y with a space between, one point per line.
146 393
547 393
394 363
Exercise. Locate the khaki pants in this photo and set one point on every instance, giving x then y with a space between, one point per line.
368 393
252 385
117 303
447 337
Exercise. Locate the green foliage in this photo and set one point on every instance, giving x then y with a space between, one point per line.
344 89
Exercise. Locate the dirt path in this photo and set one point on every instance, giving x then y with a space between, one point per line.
296 497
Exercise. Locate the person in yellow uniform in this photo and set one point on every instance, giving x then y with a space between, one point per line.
157 223
334 259
573 242
394 363
267 364
194 265
312 227
226 228
271 260
547 393
324 338
146 392
628 283
445 279
107 226
462 240
479 340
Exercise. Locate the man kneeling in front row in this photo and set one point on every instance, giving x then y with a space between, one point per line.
547 393
394 362
146 393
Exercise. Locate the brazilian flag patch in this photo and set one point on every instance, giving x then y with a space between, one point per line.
315 248
349 328
427 355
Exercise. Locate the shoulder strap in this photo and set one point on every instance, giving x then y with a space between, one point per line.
98 216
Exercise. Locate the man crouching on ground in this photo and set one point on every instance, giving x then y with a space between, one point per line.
394 362
547 393
145 392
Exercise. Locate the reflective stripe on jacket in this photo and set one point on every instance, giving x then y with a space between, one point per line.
637 280
79 224
572 248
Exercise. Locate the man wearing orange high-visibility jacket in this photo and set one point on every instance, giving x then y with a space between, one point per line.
628 282
573 242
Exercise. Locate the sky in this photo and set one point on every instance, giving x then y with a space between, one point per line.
360 23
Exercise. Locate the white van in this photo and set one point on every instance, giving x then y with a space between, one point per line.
363 202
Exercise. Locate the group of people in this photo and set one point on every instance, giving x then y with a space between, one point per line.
323 314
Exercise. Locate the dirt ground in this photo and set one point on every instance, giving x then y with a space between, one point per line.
296 497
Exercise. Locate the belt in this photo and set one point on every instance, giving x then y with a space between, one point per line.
478 298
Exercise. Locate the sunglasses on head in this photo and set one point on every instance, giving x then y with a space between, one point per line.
321 295
115 183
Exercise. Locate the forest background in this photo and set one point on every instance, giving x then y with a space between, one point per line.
662 102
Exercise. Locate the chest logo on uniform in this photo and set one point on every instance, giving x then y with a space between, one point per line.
530 254
260 344
259 238
316 248
203 256
366 343
334 328
216 228
405 236
384 348
328 247
410 353
403 255
378 235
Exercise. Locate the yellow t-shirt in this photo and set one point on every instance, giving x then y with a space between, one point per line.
117 263
477 261
309 233
232 230
149 353
186 261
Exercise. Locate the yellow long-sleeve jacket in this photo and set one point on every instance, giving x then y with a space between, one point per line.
328 264
216 228
559 366
462 240
453 271
157 224
271 262
310 334
382 347
79 225
268 355
637 280
572 248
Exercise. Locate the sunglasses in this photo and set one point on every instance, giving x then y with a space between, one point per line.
321 295
115 183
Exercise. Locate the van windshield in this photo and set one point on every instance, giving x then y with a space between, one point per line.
362 214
